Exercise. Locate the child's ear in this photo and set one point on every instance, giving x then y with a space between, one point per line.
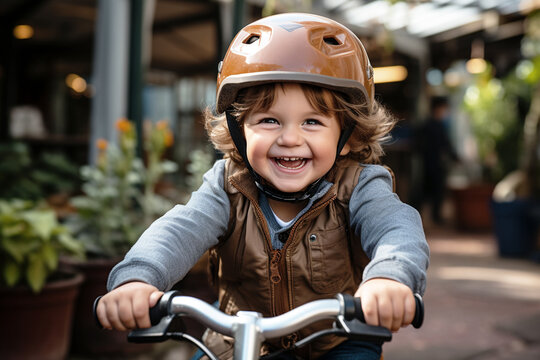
346 149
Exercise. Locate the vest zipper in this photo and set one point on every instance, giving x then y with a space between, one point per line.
291 241
275 277
275 255
284 300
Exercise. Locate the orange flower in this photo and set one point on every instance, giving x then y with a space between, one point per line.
102 144
169 138
162 125
123 125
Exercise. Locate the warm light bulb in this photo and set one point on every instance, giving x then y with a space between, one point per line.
22 32
476 66
70 78
388 74
78 85
75 82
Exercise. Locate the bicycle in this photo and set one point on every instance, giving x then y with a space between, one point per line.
250 329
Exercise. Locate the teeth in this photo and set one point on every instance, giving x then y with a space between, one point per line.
289 158
302 162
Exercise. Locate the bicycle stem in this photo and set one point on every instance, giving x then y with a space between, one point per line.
247 334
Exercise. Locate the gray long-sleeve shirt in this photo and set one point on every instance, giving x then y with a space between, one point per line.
391 232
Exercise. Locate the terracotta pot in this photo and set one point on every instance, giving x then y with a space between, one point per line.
472 207
87 338
37 326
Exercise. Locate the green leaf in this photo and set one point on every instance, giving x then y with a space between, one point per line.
13 230
12 272
36 273
19 248
169 166
50 256
70 244
42 222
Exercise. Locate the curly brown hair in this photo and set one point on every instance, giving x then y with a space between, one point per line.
372 125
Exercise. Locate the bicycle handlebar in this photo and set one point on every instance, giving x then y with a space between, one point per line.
351 308
346 305
250 329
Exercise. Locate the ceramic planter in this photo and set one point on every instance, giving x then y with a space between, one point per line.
471 207
37 326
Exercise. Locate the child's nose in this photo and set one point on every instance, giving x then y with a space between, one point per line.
290 136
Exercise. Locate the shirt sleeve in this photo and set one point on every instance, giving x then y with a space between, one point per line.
172 244
391 231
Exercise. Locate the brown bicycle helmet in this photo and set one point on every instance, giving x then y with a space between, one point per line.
295 47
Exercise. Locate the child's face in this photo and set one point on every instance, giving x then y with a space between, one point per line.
291 145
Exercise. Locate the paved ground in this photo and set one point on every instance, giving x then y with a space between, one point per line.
478 306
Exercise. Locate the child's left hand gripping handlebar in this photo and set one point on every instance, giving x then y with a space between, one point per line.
353 309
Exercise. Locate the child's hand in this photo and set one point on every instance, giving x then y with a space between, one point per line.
126 307
386 303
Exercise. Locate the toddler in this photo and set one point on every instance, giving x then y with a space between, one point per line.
297 210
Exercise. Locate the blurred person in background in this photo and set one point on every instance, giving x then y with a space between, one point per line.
432 143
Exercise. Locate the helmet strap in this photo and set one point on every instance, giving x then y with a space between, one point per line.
343 138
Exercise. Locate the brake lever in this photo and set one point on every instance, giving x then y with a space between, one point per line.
164 324
356 330
154 334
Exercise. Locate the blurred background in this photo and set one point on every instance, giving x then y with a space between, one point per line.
100 96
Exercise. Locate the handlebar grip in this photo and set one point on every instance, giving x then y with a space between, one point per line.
94 311
156 312
418 314
161 309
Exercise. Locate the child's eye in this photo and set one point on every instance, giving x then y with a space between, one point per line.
269 121
312 122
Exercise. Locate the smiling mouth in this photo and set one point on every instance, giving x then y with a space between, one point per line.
290 163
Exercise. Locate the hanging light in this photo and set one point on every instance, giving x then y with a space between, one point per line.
76 83
387 74
476 64
22 32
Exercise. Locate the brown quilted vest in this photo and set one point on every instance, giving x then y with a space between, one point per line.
320 258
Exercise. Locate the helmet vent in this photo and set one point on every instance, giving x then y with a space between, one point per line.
252 39
330 40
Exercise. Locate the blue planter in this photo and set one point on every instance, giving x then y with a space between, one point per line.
515 227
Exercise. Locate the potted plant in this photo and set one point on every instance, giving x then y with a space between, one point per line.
493 115
36 298
118 203
51 176
516 199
